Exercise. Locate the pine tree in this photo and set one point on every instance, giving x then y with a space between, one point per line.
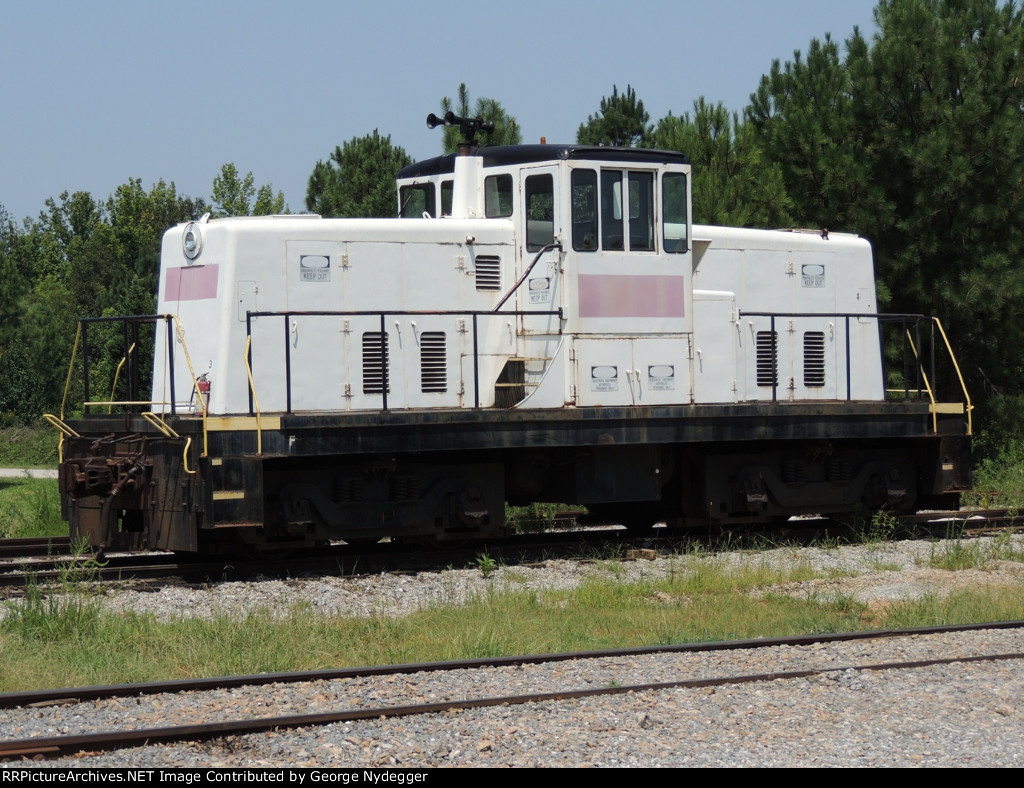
358 179
621 121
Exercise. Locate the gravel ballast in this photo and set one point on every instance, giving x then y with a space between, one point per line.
954 715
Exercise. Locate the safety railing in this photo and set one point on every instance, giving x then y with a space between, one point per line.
932 395
917 350
130 368
382 318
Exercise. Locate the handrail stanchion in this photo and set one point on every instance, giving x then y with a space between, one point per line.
170 360
935 376
476 364
384 360
921 361
252 396
287 366
906 358
85 361
248 354
849 382
71 370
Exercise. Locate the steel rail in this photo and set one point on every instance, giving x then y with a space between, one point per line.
56 559
50 747
99 692
35 546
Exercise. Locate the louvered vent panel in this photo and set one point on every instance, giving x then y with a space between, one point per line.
488 272
814 359
767 358
433 361
374 363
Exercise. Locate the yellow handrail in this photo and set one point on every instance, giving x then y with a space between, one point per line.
195 380
252 388
968 407
64 430
71 369
117 374
956 366
58 422
927 385
161 425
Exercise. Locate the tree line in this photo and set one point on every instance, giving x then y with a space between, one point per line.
913 139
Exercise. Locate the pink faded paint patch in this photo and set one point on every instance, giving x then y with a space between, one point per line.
615 295
191 284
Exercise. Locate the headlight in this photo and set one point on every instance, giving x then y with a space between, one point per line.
192 241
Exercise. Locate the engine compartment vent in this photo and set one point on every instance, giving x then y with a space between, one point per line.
814 359
433 362
488 272
375 362
767 358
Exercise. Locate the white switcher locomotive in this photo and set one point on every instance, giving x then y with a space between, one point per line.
541 323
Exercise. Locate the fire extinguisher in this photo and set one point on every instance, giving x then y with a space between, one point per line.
203 386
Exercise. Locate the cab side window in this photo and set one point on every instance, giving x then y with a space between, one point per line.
584 210
416 200
641 211
673 212
611 211
540 212
497 196
447 194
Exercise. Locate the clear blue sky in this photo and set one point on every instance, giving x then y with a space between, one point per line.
95 93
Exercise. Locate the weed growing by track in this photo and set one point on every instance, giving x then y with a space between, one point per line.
48 642
999 478
30 507
955 553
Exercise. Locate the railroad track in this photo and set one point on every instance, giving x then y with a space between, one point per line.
34 546
51 559
93 741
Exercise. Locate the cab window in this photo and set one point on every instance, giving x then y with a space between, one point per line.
447 190
540 212
641 211
416 200
497 196
584 210
673 211
611 211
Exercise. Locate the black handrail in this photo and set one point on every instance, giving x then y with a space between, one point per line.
383 315
130 336
882 318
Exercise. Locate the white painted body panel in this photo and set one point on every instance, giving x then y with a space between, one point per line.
635 328
256 264
789 273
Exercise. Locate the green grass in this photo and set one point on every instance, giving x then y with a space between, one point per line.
537 517
999 478
30 507
955 554
69 641
962 607
32 446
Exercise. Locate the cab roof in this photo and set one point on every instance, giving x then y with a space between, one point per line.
505 155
